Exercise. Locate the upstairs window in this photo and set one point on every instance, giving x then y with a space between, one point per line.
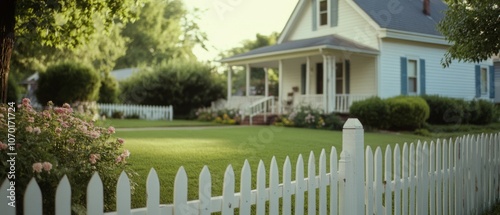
484 81
323 12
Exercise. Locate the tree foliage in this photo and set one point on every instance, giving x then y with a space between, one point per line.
473 28
164 31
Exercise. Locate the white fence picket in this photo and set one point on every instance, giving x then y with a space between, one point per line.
333 182
287 187
432 179
274 187
8 205
180 192
123 195
95 195
451 177
63 197
299 186
387 181
245 189
411 180
228 200
205 191
323 183
153 192
397 180
311 185
369 182
261 188
378 187
405 182
33 199
445 177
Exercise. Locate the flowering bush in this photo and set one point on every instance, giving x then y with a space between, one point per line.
307 117
226 116
57 142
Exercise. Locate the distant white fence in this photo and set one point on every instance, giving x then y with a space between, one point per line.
443 177
143 111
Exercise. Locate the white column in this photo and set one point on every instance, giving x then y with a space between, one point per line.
266 82
229 82
280 86
329 82
248 80
308 78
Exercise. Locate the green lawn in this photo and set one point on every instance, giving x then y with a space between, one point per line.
138 123
167 150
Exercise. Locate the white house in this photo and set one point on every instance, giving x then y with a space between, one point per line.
339 51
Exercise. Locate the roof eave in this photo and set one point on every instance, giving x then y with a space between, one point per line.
413 36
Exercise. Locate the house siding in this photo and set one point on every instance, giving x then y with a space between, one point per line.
363 76
291 75
351 25
456 81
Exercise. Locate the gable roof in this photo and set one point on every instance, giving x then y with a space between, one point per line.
330 41
407 15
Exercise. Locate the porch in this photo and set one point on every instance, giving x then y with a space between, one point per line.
327 73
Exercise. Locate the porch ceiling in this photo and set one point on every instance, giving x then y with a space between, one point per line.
266 56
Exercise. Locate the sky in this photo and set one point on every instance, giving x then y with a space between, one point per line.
229 22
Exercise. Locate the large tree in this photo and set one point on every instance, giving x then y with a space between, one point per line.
56 23
165 30
473 28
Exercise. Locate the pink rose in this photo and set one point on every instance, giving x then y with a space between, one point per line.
37 130
94 134
120 140
31 119
58 130
71 140
125 153
111 130
37 167
118 159
3 146
29 129
93 158
47 166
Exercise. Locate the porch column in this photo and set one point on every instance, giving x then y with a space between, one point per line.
280 86
248 80
308 78
329 87
266 82
229 82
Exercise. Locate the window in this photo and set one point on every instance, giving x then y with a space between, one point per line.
484 81
412 77
323 12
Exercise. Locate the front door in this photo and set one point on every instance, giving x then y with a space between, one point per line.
339 78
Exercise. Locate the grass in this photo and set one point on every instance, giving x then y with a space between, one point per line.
167 150
137 123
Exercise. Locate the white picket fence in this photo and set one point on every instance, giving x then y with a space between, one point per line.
144 111
444 177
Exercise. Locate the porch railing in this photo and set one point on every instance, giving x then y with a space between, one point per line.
260 106
344 101
242 102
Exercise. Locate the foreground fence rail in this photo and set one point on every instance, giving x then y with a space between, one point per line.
143 111
444 177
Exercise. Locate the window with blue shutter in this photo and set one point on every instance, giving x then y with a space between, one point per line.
334 13
314 15
492 82
404 77
422 77
478 81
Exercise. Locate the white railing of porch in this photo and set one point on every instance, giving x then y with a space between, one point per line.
344 101
241 102
314 101
260 106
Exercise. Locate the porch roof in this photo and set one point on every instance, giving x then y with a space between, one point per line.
333 42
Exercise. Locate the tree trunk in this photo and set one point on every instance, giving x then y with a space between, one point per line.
7 25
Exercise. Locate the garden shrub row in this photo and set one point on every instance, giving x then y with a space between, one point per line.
308 117
412 112
396 113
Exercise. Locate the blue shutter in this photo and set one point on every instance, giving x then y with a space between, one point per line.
492 82
314 15
303 74
347 76
422 77
334 13
478 81
404 76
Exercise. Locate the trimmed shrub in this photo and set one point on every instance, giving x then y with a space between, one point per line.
68 83
407 112
482 112
444 110
108 92
184 85
372 112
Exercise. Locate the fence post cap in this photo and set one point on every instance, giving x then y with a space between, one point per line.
352 123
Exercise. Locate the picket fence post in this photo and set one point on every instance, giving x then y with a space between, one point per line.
353 146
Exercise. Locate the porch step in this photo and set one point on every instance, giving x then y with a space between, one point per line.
259 119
